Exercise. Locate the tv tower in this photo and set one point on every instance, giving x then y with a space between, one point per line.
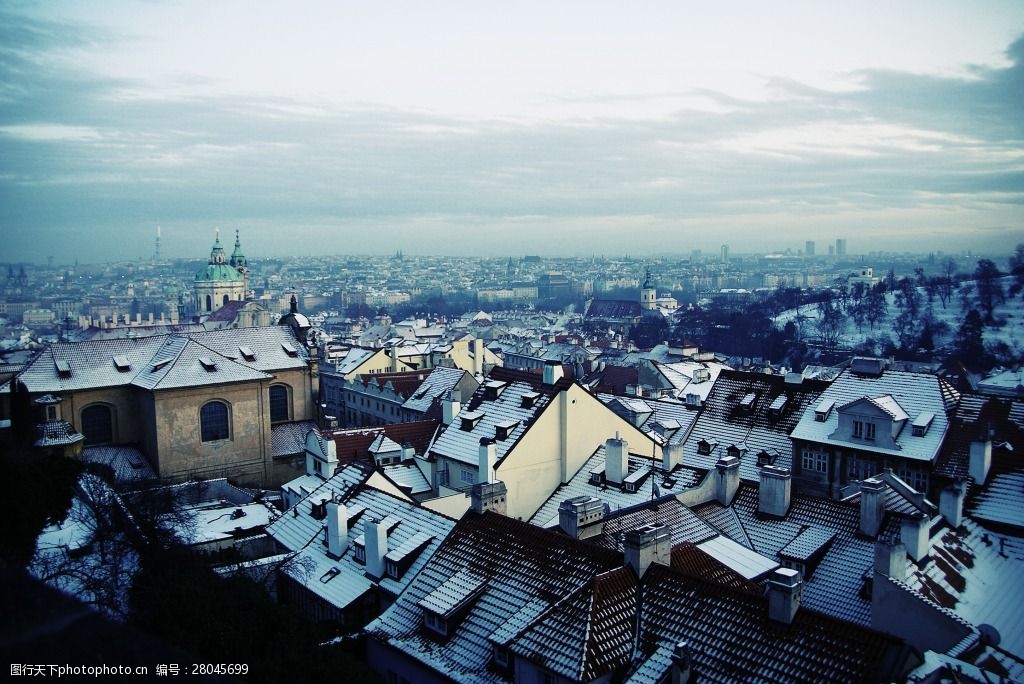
156 254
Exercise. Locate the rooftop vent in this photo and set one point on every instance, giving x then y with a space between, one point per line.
503 429
530 399
63 369
470 419
247 353
747 402
289 349
160 363
208 363
493 389
775 410
121 363
701 375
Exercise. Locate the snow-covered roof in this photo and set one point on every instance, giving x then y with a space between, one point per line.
917 393
436 385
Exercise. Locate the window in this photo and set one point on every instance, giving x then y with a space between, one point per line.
214 421
858 428
226 299
467 476
279 404
435 623
97 424
360 553
442 478
814 461
870 431
209 303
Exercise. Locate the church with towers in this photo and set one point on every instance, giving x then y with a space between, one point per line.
224 279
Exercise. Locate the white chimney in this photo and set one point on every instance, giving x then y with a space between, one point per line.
773 494
891 558
980 460
646 545
337 529
616 459
784 591
375 537
727 483
451 406
408 452
394 358
914 533
488 458
553 372
671 456
872 506
951 503
578 516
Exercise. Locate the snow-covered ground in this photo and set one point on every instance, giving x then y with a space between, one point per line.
1011 311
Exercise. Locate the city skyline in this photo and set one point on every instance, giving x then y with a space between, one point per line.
451 130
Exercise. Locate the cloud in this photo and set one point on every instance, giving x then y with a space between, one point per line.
80 151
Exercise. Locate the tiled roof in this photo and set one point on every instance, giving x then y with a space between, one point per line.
731 639
918 393
1000 501
128 463
408 477
91 364
685 525
723 422
415 534
54 433
617 498
287 439
437 384
664 412
526 569
605 309
680 376
354 444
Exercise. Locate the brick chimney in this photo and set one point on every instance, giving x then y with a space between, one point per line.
646 545
489 496
773 494
727 479
784 591
872 506
337 529
580 516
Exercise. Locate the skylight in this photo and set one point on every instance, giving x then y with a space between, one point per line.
208 363
121 362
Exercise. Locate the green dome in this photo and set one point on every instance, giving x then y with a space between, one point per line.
221 272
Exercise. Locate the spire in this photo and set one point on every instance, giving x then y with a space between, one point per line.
217 253
295 305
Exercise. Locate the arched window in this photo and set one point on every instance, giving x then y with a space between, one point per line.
209 303
226 299
214 423
98 424
279 404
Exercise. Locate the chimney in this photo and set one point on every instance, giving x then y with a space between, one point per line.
951 503
489 496
914 533
476 347
394 358
408 451
337 529
488 457
891 558
785 588
375 537
616 459
980 460
580 516
552 372
671 456
872 506
682 665
773 494
451 406
646 545
727 479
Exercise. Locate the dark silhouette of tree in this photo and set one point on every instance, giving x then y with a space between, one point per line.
969 344
990 290
649 331
830 323
1017 270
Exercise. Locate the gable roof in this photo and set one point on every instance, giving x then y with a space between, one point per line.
354 444
165 361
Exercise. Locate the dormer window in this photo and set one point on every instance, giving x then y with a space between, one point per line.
747 402
63 369
289 349
858 429
823 410
704 447
359 551
247 353
208 364
775 410
869 431
469 420
391 568
121 363
493 389
530 399
504 429
500 654
921 424
435 623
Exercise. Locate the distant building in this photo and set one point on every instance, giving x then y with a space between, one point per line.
841 247
809 248
725 254
222 279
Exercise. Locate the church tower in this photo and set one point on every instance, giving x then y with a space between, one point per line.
648 295
218 282
240 264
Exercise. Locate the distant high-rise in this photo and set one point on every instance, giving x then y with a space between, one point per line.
725 254
156 253
841 247
809 248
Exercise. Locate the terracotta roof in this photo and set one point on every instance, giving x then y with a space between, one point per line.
354 444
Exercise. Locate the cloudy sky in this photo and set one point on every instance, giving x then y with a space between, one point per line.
509 128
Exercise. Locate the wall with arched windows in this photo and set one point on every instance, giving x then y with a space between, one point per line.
98 422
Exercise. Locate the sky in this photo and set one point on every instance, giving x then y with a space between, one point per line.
486 128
